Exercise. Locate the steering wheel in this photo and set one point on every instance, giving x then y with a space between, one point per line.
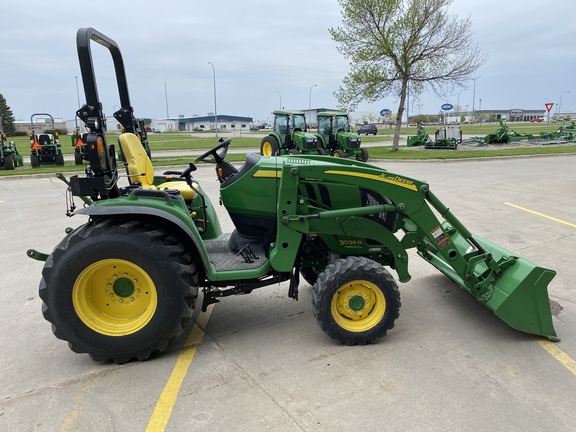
215 156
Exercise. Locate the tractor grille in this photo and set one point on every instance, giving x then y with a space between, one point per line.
353 143
309 144
371 198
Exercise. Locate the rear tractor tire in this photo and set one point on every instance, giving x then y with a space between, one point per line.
34 161
355 301
119 289
269 146
9 162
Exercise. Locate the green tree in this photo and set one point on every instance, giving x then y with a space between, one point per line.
420 118
400 46
7 117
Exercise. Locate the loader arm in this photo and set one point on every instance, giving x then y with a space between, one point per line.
515 289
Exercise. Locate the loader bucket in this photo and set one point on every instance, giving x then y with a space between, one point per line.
518 295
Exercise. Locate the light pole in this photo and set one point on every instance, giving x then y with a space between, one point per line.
458 102
77 92
560 104
166 97
215 110
473 100
280 99
310 101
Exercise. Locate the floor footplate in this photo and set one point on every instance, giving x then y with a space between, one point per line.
224 258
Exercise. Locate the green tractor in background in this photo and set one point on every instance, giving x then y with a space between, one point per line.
335 135
9 156
79 144
123 284
45 147
289 136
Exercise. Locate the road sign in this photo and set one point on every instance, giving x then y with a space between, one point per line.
447 107
385 112
549 106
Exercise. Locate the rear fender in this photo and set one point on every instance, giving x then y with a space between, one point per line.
187 230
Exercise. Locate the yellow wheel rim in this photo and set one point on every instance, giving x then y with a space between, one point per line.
266 149
114 297
336 154
358 306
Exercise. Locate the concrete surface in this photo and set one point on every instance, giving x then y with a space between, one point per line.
264 365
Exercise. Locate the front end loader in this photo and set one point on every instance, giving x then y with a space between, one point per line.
122 285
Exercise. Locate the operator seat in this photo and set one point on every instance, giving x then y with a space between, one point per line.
44 139
140 168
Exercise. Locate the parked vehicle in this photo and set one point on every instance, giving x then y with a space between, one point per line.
367 129
289 136
45 147
335 135
9 156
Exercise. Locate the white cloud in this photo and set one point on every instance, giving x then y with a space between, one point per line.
259 48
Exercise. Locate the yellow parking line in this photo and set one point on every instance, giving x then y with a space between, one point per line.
558 354
541 214
165 404
552 348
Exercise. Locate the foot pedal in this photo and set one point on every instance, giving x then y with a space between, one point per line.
247 254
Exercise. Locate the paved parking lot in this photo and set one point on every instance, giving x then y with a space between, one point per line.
262 363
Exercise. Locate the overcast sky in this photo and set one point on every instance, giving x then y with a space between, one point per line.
264 53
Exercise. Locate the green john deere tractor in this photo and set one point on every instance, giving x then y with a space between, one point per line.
79 144
335 135
45 147
9 156
122 285
289 136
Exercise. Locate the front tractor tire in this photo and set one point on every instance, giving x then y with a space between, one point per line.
363 155
119 289
339 153
269 146
355 301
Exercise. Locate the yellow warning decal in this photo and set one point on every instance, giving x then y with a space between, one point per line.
268 174
386 178
440 237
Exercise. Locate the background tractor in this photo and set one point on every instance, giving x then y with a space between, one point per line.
289 136
79 144
9 156
45 147
335 135
122 285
